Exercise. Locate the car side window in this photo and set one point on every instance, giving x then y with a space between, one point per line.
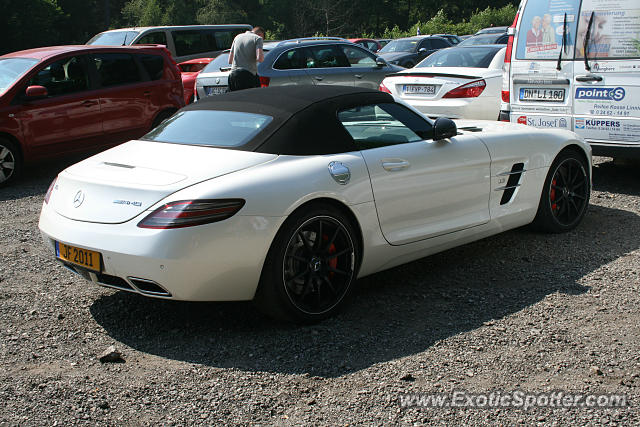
116 69
358 57
190 42
154 65
425 44
295 59
328 56
224 38
154 37
380 125
68 75
439 44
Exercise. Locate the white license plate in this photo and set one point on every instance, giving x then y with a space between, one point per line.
419 89
541 94
216 90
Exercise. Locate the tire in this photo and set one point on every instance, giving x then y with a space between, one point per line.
565 195
10 162
305 278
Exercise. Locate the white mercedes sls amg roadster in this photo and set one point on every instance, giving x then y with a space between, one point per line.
286 195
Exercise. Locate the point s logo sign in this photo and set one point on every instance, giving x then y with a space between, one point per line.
522 120
601 93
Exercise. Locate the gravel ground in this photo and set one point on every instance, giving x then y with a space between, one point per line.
518 311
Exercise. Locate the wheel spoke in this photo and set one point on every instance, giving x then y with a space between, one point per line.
4 153
3 177
297 258
7 165
326 280
337 254
332 239
335 270
318 242
307 244
297 276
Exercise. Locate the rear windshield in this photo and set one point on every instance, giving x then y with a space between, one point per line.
113 38
479 57
481 39
11 69
221 63
209 128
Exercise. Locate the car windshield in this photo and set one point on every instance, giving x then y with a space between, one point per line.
209 128
403 45
480 39
11 69
113 38
478 57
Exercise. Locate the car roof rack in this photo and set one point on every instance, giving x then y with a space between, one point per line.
304 39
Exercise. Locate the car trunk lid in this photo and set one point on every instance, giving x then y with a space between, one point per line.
119 184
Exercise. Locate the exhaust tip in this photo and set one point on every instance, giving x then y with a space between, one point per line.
148 287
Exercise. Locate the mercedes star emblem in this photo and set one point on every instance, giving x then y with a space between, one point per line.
78 199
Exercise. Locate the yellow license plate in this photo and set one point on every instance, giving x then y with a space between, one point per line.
78 256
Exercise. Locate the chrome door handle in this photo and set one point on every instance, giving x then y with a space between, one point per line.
589 78
357 76
318 78
395 166
147 93
89 103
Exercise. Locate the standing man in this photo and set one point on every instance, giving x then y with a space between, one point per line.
246 52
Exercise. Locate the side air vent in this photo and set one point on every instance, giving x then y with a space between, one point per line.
512 183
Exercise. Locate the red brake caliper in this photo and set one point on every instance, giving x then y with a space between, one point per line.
552 196
333 262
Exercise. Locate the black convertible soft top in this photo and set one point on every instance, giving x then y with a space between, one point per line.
305 118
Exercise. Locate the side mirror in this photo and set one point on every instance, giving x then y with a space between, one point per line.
444 128
422 50
381 62
34 92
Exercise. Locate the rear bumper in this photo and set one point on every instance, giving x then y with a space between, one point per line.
214 262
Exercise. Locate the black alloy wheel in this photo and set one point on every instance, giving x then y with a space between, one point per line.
318 265
310 268
565 196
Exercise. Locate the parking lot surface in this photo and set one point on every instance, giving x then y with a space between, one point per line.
517 311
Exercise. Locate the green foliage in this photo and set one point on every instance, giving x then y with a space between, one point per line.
31 23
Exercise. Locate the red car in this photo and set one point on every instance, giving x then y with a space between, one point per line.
372 45
190 70
65 99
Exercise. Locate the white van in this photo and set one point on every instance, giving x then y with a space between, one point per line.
184 42
549 82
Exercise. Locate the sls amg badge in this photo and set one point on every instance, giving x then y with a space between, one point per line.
78 199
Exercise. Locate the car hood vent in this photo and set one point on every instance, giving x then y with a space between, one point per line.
119 184
513 182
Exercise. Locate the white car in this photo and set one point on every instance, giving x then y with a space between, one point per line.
462 82
286 195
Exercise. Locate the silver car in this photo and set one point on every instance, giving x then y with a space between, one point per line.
313 61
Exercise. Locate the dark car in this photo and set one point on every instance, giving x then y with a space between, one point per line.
492 30
453 39
65 99
407 52
484 39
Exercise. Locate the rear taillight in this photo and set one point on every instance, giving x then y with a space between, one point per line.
470 90
187 213
264 81
47 195
506 68
383 88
